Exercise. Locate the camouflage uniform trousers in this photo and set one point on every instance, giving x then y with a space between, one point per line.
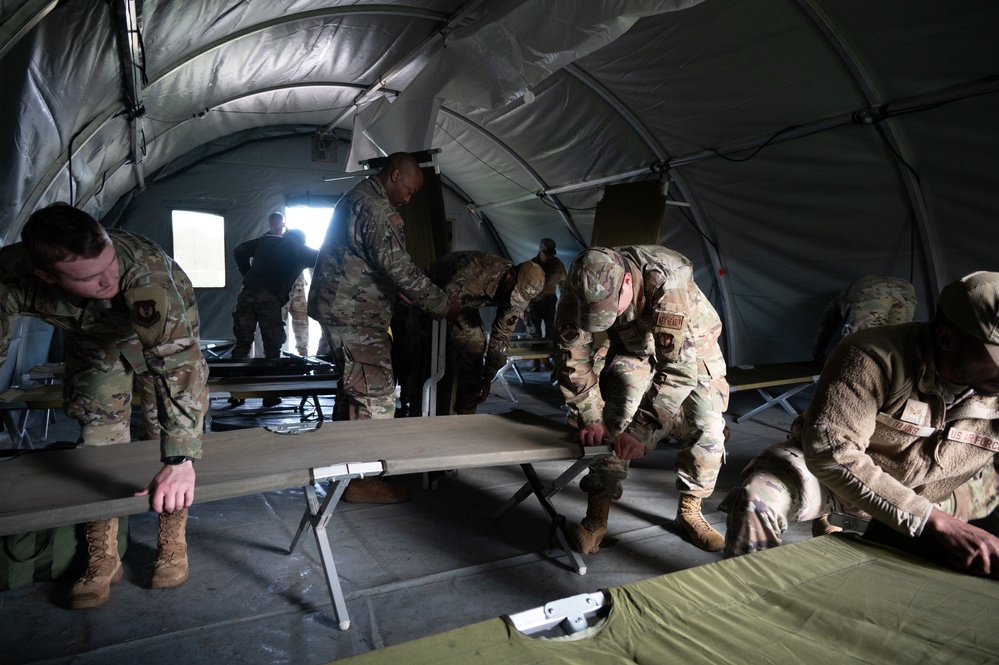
257 306
466 346
702 430
778 489
100 398
364 357
297 306
542 310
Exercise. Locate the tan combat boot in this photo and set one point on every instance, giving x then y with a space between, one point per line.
103 566
690 520
171 566
587 535
373 490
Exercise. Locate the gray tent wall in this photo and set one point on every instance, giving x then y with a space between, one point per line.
815 140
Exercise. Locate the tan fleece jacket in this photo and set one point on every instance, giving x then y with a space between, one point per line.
879 434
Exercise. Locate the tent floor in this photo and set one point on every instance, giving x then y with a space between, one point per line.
408 570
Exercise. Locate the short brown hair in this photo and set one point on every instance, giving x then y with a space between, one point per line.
58 232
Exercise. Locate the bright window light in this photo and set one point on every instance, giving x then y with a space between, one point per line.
199 247
314 221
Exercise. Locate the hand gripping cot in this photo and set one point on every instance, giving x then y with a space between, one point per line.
51 488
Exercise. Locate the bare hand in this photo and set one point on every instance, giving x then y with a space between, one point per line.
172 488
627 447
593 434
454 309
971 549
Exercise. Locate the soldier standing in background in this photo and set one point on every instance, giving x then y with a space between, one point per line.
132 323
297 302
477 280
363 269
541 310
269 265
663 359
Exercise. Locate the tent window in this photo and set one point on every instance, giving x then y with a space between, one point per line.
313 220
199 246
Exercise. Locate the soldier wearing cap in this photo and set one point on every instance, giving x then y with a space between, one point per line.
478 280
872 300
904 425
663 360
541 310
132 323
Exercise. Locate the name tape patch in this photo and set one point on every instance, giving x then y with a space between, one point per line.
670 320
979 440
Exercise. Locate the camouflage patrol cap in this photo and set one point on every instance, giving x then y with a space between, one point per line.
530 282
595 278
972 304
547 246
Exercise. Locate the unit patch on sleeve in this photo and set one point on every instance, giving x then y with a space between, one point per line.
146 313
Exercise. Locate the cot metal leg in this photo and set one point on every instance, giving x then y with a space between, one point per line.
557 521
543 492
318 516
549 490
501 379
780 400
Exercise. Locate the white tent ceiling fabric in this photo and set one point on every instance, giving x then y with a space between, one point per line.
804 196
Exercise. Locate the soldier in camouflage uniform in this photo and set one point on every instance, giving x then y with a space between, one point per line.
130 318
663 358
363 268
874 300
904 425
269 266
298 308
871 301
542 308
477 280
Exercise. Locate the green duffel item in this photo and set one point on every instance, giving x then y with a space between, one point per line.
48 554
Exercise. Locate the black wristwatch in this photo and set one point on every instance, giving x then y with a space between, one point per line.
179 459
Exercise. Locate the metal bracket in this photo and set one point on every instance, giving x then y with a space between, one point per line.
568 613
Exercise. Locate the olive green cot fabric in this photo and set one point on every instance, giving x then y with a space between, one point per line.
833 599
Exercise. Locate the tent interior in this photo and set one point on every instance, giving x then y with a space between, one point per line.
791 146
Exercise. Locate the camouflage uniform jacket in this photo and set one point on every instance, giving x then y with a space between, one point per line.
363 265
554 276
873 300
153 320
670 324
474 277
880 433
273 263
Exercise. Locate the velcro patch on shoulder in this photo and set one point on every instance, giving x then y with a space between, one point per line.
669 320
149 312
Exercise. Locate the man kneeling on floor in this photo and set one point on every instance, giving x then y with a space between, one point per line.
904 425
131 320
663 359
